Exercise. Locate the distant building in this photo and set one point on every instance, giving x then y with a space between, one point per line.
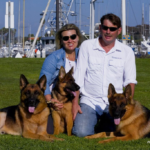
32 38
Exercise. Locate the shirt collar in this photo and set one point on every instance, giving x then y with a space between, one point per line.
96 46
117 46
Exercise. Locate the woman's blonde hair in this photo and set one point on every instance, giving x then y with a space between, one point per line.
66 28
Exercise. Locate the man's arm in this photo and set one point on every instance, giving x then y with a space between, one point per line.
79 75
132 88
130 71
75 105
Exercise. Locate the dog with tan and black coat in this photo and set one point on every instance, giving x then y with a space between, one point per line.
64 92
132 120
28 118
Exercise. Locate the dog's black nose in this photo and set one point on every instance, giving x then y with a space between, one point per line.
117 113
32 101
77 87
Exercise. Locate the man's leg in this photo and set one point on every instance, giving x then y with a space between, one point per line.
105 123
84 123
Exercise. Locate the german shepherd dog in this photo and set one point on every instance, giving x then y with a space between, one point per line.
132 120
64 91
29 118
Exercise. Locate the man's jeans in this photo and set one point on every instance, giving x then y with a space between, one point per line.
84 123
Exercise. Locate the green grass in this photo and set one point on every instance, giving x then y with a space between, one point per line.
10 70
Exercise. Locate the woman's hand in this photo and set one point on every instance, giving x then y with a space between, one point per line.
54 102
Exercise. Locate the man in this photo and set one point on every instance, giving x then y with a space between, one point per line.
100 62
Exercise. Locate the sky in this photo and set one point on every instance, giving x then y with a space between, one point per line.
33 9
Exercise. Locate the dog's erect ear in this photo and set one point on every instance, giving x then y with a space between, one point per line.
62 73
128 94
127 91
54 95
71 71
23 81
42 83
111 90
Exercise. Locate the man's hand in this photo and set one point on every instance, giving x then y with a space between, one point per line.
75 109
75 106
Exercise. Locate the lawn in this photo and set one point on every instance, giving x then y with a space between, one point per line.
10 70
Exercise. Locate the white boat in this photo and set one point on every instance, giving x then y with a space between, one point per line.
48 44
17 48
49 27
27 47
134 47
4 52
145 46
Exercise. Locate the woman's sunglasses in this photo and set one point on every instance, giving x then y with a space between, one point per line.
110 28
66 38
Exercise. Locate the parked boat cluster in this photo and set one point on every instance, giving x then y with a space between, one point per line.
42 49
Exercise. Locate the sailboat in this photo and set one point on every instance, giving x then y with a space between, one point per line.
47 42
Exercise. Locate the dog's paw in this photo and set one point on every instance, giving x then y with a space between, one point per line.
60 139
53 138
88 137
103 142
56 133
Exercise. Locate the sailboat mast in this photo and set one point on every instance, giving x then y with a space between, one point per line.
19 24
80 17
143 19
23 21
46 9
124 19
2 38
57 15
149 20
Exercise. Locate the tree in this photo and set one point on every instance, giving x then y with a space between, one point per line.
5 33
6 30
30 35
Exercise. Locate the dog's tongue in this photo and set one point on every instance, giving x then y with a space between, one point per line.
31 109
74 93
117 121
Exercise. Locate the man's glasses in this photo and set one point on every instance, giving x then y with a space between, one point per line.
66 38
110 28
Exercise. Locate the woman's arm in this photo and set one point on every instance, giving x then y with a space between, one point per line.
49 69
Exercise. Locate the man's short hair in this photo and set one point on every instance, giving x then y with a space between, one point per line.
113 18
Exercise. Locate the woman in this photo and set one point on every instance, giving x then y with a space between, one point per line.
68 38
